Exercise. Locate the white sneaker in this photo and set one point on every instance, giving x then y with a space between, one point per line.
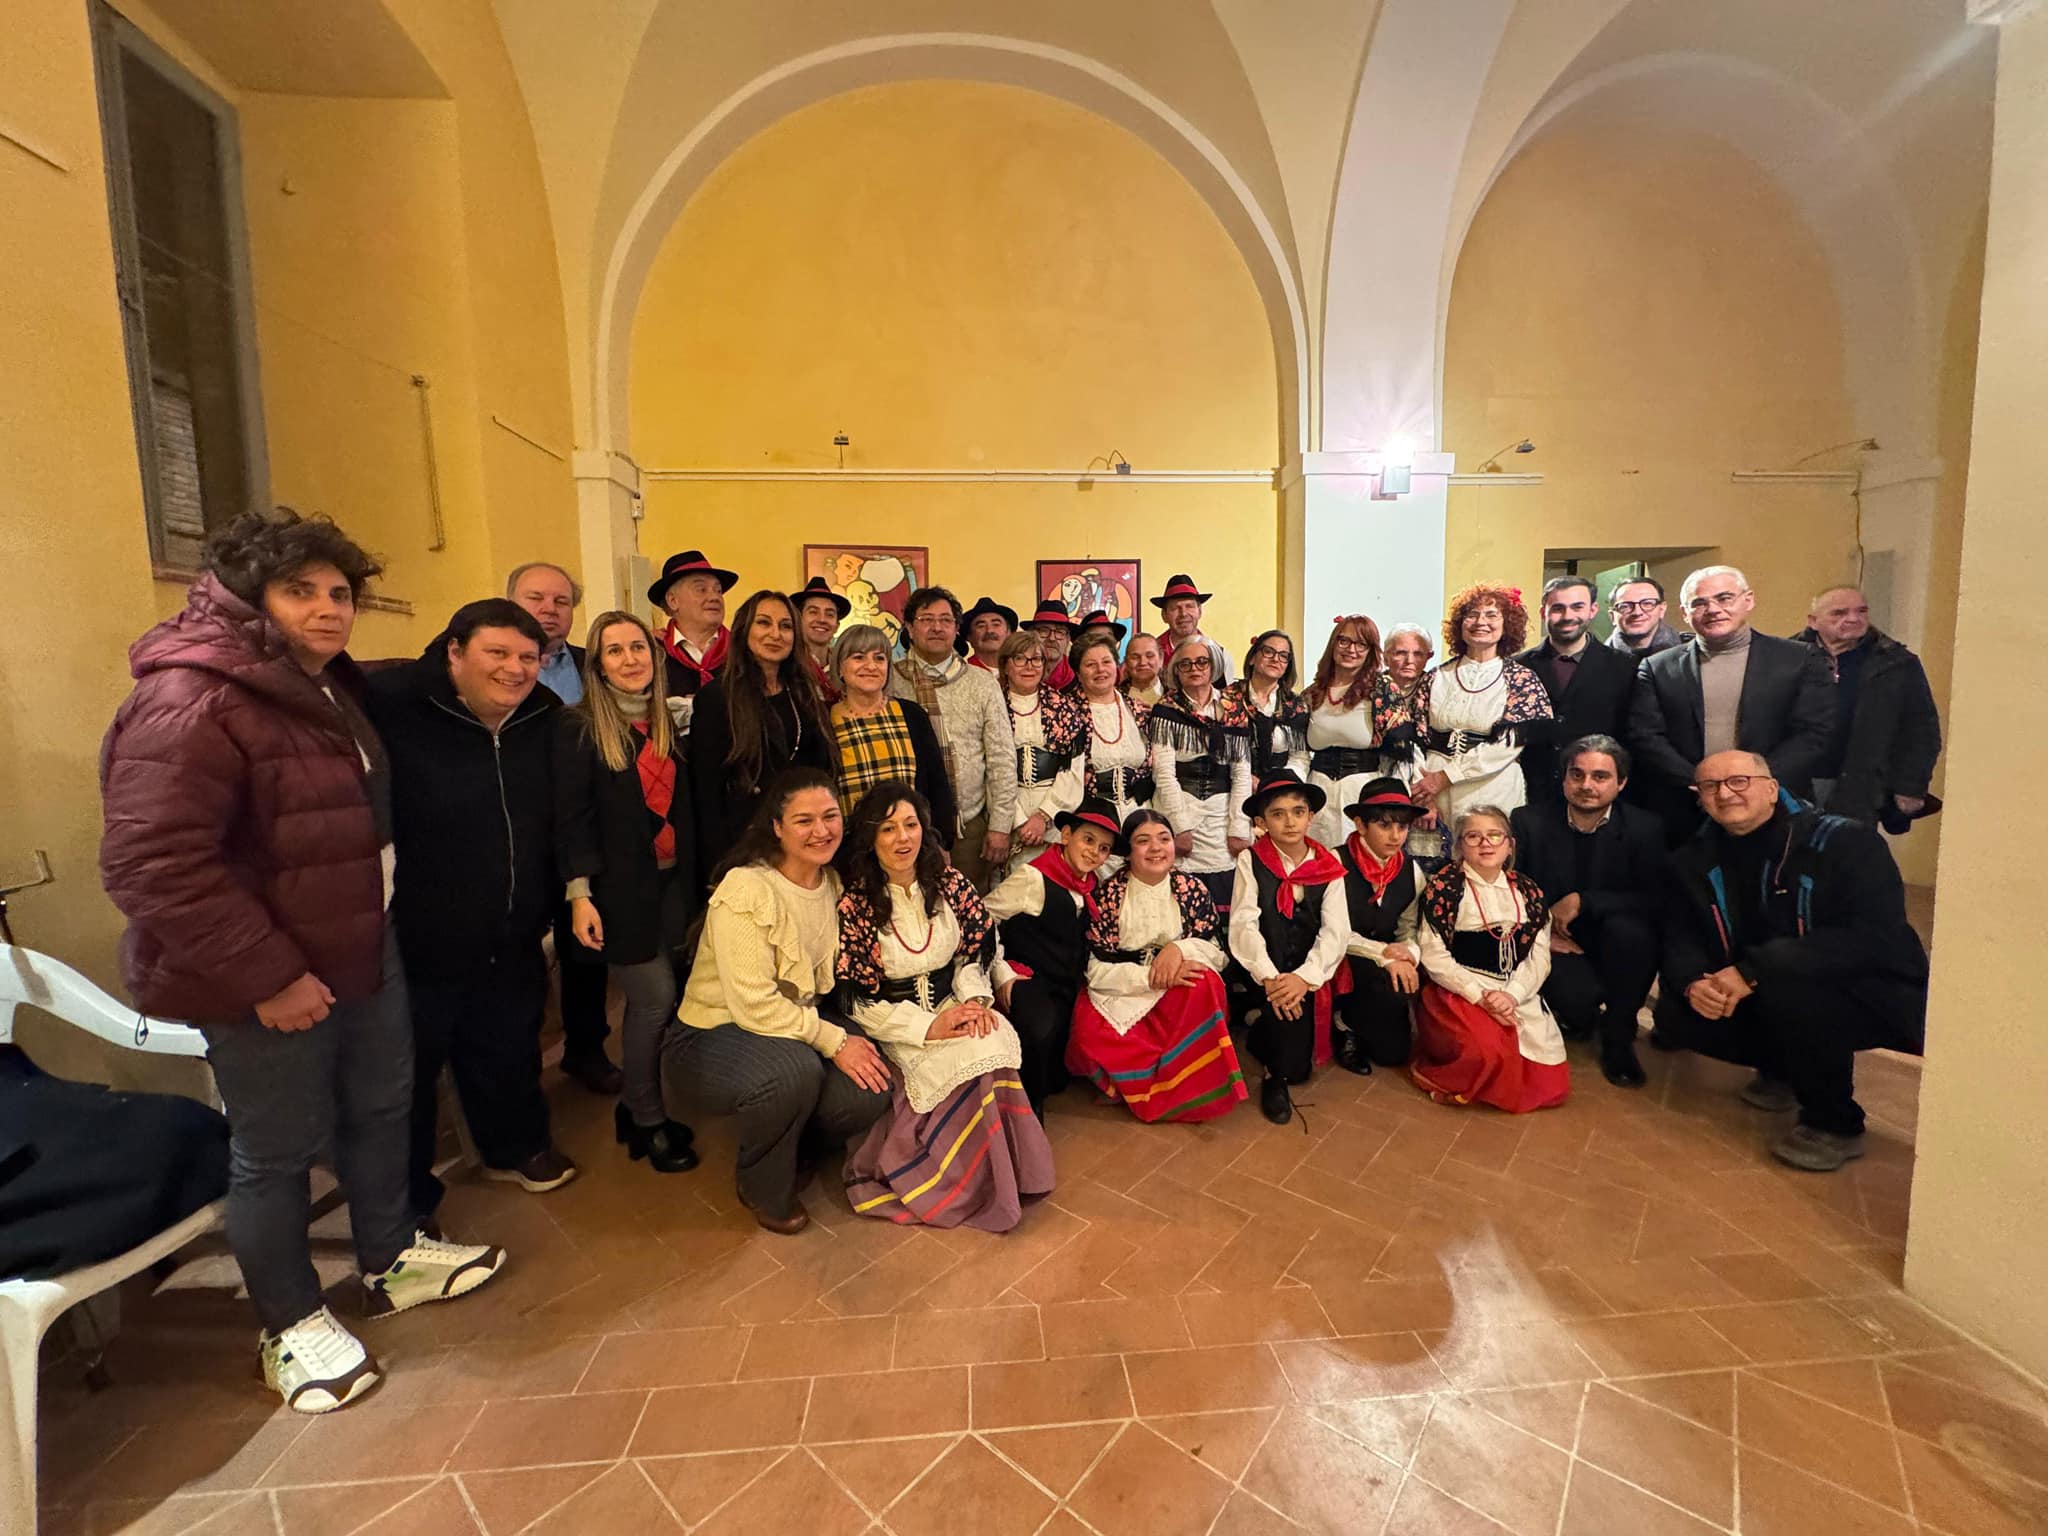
316 1365
430 1270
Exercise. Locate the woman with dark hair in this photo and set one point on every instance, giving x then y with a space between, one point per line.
880 738
760 715
1471 713
751 1039
1118 757
1201 756
249 844
1278 714
1343 740
960 1146
1051 732
1153 1026
624 843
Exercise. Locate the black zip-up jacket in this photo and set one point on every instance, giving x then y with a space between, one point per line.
472 820
1894 735
1827 906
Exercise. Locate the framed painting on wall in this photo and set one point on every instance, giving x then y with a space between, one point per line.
1082 586
876 578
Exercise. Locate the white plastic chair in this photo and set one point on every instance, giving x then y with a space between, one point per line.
29 1307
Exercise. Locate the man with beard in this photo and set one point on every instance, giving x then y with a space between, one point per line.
1602 865
1588 684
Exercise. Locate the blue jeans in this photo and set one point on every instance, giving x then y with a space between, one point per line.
345 1085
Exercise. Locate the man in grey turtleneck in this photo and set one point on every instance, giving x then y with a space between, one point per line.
1726 688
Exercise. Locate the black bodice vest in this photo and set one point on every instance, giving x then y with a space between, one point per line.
1288 939
1376 919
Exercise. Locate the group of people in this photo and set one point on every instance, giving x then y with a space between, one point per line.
894 903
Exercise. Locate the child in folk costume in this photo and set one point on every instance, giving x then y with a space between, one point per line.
959 1146
1153 1026
1383 900
1289 928
1043 911
1201 761
1482 1031
1051 732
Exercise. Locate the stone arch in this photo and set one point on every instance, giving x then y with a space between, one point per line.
1069 76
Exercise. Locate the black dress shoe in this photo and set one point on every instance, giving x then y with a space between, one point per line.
1274 1103
594 1072
1621 1068
1350 1054
1577 1031
665 1146
1661 1041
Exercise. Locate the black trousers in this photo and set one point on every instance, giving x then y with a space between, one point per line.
1042 1013
1286 1048
485 1027
1805 1034
1377 1014
1602 990
583 977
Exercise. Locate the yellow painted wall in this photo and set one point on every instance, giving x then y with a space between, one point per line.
1649 309
960 277
1977 1247
383 260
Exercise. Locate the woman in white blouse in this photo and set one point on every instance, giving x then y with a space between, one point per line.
1118 757
1472 712
1201 755
1050 729
1153 1029
960 1145
751 1041
1343 738
1482 1031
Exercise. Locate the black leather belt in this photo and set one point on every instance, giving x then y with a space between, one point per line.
1343 762
1202 777
1451 743
1035 765
1121 784
1129 956
927 991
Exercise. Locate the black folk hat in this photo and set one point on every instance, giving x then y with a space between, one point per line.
1179 585
1093 811
1377 797
1099 619
1279 782
1050 611
982 605
690 562
817 586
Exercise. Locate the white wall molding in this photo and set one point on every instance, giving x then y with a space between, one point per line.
1493 482
787 474
1848 479
607 465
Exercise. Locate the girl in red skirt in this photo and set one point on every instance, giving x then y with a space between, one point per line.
1482 1032
1153 1026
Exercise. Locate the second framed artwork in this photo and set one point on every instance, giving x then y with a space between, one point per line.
876 578
1082 586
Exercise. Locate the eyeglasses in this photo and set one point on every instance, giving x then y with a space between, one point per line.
1348 643
1272 654
1640 605
1735 784
1483 839
1194 664
1706 600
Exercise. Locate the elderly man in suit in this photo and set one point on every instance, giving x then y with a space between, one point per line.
1588 684
1727 688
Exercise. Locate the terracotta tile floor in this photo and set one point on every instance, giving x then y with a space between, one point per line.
1614 1317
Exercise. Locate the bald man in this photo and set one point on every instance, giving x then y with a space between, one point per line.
1786 949
1887 732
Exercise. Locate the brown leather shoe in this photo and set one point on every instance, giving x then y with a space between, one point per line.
781 1226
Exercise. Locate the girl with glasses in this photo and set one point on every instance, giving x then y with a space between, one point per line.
1483 1033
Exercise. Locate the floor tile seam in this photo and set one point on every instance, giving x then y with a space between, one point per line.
1904 1360
84 1475
1844 1489
648 1478
1814 1397
873 1514
1651 1493
981 1437
1899 1456
1440 1490
276 1514
476 1517
1571 1465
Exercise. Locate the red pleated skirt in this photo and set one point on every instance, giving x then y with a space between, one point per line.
1464 1055
1176 1063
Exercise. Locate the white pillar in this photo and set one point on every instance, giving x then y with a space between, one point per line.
608 526
1359 550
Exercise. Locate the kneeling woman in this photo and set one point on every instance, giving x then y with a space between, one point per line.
1153 1027
751 1041
959 1146
1482 1032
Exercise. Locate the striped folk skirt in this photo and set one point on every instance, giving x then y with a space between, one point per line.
1176 1063
967 1162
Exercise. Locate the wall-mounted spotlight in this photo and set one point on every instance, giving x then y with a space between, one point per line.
1396 479
1492 464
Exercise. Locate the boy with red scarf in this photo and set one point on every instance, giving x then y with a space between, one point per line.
1288 929
1042 911
1383 901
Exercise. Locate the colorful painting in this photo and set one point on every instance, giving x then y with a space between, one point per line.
1082 586
876 578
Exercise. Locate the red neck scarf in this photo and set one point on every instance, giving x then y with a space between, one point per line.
658 790
1054 866
714 658
1377 875
1319 868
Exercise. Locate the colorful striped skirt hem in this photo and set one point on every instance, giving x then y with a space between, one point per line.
968 1162
1176 1063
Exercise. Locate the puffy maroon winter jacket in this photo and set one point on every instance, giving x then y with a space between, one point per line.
240 841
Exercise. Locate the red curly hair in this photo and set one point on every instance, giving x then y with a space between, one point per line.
1514 618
